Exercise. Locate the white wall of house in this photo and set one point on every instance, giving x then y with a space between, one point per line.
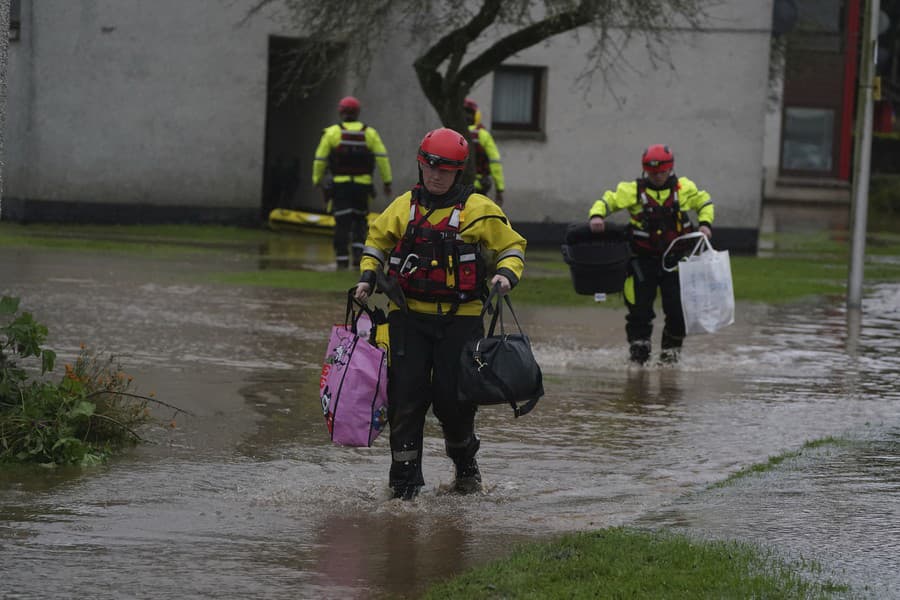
125 101
164 102
709 109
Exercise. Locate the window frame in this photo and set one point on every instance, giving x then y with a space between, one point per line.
536 122
829 172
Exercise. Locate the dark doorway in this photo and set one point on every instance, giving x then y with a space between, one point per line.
300 103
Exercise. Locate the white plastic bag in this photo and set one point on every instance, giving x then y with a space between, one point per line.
707 295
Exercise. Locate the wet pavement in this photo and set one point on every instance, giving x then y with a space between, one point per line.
249 498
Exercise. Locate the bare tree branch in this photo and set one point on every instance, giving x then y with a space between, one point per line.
147 398
460 37
358 28
454 43
118 424
254 10
524 38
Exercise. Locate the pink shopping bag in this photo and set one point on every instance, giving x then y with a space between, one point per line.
353 386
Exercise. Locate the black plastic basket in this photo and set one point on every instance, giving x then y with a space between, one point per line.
598 263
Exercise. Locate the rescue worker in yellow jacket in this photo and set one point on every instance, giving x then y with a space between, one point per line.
658 203
435 242
488 166
350 151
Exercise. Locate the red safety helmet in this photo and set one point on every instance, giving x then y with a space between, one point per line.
470 105
445 149
349 104
658 159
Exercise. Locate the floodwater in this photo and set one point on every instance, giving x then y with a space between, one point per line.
249 499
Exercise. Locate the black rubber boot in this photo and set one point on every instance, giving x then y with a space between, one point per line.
406 492
669 356
671 348
468 477
639 351
406 475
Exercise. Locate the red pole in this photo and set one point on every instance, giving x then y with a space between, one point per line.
851 66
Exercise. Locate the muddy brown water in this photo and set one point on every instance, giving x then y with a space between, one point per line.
249 499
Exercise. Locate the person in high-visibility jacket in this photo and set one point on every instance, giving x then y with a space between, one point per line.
439 244
350 151
658 203
488 165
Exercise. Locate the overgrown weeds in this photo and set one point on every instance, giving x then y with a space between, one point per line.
89 414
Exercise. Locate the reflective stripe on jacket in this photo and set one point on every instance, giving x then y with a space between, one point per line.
481 222
626 196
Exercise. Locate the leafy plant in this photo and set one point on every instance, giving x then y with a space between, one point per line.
89 414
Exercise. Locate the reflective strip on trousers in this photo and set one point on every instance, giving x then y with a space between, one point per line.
405 455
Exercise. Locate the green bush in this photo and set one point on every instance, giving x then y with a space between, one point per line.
89 414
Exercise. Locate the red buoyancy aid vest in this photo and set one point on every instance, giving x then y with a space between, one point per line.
660 223
352 156
482 163
432 262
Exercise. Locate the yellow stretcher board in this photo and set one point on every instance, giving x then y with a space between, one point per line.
282 219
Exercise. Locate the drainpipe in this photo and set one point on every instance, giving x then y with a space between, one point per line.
863 154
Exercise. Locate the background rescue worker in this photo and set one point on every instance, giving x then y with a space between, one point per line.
658 203
434 242
488 166
350 151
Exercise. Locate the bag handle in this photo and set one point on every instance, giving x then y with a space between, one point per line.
498 311
702 245
518 411
351 316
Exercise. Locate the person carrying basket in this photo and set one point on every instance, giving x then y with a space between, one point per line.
658 203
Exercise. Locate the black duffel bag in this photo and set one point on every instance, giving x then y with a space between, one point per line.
500 369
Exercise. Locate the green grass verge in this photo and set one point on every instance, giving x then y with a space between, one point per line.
801 266
792 266
318 281
155 240
219 234
628 563
775 461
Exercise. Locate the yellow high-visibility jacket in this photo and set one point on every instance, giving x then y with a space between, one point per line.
495 165
626 196
482 222
331 137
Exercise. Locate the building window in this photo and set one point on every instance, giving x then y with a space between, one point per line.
808 139
818 25
518 99
15 20
819 16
